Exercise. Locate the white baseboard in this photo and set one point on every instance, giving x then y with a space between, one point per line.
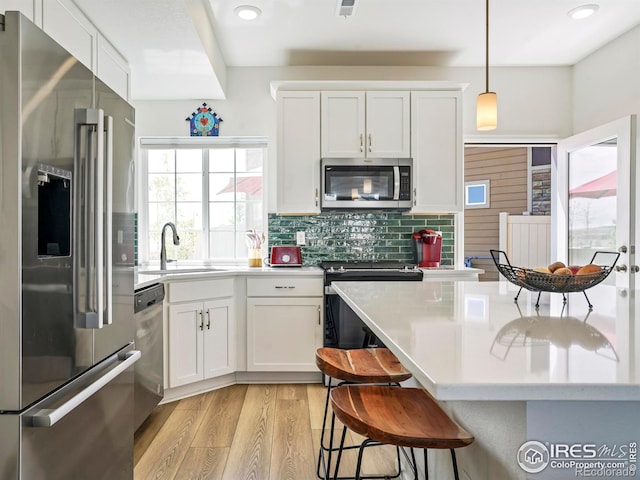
279 377
196 388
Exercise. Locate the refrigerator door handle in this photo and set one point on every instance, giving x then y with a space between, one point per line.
108 234
88 219
49 417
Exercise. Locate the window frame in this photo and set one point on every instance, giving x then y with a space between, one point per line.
204 144
487 194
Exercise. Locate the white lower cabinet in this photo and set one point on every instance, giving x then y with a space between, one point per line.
284 323
201 333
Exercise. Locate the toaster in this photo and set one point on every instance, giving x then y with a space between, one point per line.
285 256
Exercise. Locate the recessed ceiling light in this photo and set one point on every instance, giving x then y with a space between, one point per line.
248 12
583 11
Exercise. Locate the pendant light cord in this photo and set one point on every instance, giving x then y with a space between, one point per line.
487 48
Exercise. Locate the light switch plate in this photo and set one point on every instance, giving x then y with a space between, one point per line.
300 238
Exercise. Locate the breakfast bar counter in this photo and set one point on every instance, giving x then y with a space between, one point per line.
523 380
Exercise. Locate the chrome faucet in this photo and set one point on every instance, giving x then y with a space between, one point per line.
163 248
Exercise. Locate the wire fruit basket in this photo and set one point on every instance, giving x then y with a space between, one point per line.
550 282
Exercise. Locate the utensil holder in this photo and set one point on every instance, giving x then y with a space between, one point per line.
255 257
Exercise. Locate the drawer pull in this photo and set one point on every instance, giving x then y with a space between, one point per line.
285 286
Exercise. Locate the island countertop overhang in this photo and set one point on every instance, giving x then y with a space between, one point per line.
470 341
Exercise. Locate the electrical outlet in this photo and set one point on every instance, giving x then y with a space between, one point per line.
300 238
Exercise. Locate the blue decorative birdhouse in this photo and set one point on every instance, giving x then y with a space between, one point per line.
204 122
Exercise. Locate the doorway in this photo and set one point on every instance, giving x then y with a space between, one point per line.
518 180
594 207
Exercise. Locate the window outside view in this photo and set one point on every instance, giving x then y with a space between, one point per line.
592 201
212 211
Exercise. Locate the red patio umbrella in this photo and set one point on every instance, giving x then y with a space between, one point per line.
604 186
250 185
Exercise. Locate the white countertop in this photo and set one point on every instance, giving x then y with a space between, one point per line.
194 272
145 276
446 271
470 341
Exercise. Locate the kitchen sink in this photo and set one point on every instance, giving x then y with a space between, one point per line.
169 271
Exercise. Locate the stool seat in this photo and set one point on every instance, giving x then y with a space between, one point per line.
362 365
406 417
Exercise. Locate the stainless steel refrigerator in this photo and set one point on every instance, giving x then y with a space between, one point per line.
66 265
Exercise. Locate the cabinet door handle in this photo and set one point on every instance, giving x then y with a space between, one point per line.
208 319
201 320
319 316
370 144
361 142
285 286
415 198
316 197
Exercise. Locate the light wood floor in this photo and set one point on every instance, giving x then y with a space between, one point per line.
254 432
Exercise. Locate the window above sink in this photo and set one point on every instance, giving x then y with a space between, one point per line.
211 188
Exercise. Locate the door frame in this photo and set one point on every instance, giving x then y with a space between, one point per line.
624 129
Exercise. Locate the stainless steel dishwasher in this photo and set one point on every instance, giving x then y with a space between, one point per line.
149 370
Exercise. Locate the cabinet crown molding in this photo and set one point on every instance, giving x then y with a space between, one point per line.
326 85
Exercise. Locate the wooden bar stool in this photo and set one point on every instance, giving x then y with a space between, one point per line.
404 417
362 366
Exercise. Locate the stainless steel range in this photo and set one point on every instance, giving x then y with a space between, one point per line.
343 328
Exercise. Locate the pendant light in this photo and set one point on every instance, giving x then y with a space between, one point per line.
487 105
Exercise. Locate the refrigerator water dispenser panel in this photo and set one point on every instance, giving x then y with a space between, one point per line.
54 212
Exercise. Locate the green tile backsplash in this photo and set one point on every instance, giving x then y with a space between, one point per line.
359 236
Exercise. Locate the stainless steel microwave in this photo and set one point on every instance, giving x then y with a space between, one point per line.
358 183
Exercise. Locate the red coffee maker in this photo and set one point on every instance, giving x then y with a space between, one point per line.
427 248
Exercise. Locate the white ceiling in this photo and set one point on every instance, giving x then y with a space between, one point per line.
434 32
161 35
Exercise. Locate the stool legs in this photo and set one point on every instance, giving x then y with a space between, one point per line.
368 442
426 464
326 465
455 464
324 423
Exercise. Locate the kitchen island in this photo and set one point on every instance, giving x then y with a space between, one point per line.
561 380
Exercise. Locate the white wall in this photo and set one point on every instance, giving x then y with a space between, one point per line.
607 83
533 102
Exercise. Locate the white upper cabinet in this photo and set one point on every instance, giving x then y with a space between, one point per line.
298 152
28 9
388 125
371 124
112 68
63 21
436 146
343 124
370 119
